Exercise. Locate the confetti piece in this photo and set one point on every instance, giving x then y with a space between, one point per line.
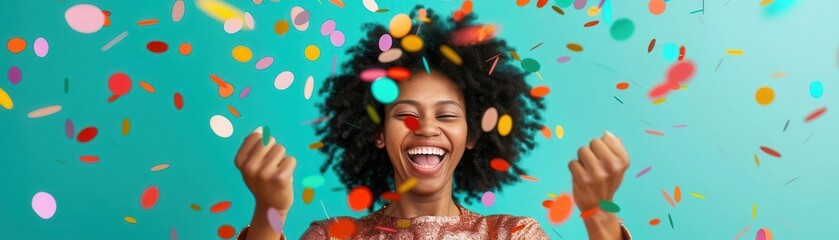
652 42
579 4
655 221
195 207
654 132
146 86
763 234
337 38
218 10
114 41
385 90
754 211
697 195
515 55
266 135
560 209
563 59
178 11
574 47
84 18
609 206
283 80
734 52
342 228
407 185
308 195
360 198
450 54
657 7
499 164
528 178
6 100
494 63
226 231
764 95
770 151
179 101
385 42
245 92
390 196
119 84
157 47
816 89
530 65
411 123
400 25
386 229
129 219
505 125
374 116
87 134
244 54
309 87
390 55
126 126
185 48
89 159
16 45
681 53
810 117
539 91
757 161
68 125
622 29
221 126
622 86
591 23
41 47
667 197
677 193
313 181
173 234
370 5
489 119
160 167
147 22
281 27
43 203
275 220
590 212
671 221
560 131
411 43
488 199
220 207
149 198
642 172
44 111
425 63
546 132
312 53
396 73
316 145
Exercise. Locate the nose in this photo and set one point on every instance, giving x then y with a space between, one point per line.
428 127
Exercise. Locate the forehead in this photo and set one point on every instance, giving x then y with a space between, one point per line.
429 88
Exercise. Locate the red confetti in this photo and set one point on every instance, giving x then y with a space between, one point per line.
655 221
654 132
220 207
815 114
157 46
89 159
398 73
622 86
87 134
150 197
341 228
226 231
412 123
770 151
681 53
591 24
391 196
651 46
499 164
541 3
386 229
517 228
547 203
179 101
360 198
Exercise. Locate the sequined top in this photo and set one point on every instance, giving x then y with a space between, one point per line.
469 225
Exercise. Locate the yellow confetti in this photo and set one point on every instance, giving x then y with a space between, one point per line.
219 10
374 116
195 207
735 52
400 25
312 52
406 186
146 86
316 145
412 43
505 125
697 195
754 211
593 11
160 167
766 2
403 223
757 161
450 54
659 101
130 219
551 195
244 54
515 55
778 75
126 126
683 87
5 100
560 131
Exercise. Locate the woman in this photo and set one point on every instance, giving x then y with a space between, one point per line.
422 151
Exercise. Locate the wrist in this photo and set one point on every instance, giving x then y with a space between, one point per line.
603 225
260 228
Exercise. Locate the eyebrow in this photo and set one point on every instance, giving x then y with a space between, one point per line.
415 103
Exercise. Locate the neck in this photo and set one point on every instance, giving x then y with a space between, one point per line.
412 205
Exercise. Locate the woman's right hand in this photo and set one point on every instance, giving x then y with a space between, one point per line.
268 171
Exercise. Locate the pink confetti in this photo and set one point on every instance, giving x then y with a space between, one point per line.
245 92
275 220
642 172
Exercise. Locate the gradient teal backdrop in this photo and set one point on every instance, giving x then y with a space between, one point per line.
712 156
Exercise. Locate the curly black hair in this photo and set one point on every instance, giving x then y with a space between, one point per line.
349 134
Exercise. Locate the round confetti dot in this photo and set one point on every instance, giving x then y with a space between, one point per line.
150 197
309 87
308 195
337 38
313 181
763 234
563 59
14 75
489 119
385 42
185 48
622 29
312 52
657 6
281 27
44 111
412 43
44 205
622 86
130 219
574 47
560 131
499 164
390 55
179 101
84 18
530 65
400 25
369 75
546 132
41 47
283 80
505 125
264 63
16 45
221 126
119 84
300 18
157 46
764 96
560 209
370 5
241 54
360 198
670 52
579 4
411 123
341 228
327 27
178 11
816 89
220 207
226 231
5 100
488 199
609 206
87 134
680 72
385 90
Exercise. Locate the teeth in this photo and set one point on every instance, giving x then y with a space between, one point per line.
426 150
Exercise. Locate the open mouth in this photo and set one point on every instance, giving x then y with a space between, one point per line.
425 157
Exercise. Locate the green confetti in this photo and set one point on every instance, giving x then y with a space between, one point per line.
609 206
374 116
266 135
671 221
66 85
622 29
313 181
425 63
530 65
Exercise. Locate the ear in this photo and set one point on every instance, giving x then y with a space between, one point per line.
380 139
470 142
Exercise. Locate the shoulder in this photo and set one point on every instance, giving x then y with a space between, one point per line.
516 227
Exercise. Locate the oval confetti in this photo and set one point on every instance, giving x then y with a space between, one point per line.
400 25
220 207
390 55
540 91
489 119
341 228
84 18
157 46
530 65
16 45
283 80
89 159
44 111
560 131
560 209
816 89
609 206
337 38
264 63
505 125
385 90
308 87
412 43
770 151
242 54
178 11
360 198
308 195
574 47
221 126
150 197
622 86
179 101
41 47
385 42
159 167
44 205
5 100
488 199
810 117
763 234
450 54
226 231
87 134
312 53
657 7
499 164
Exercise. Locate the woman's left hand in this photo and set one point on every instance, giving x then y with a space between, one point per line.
599 171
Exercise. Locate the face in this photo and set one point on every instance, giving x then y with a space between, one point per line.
431 152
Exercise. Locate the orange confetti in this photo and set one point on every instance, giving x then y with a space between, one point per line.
622 86
466 7
360 198
233 110
338 3
220 207
546 132
225 89
521 3
540 91
499 164
316 145
651 46
770 151
575 47
341 228
678 193
654 132
517 228
655 221
147 22
16 45
391 196
561 208
528 178
815 114
591 24
185 48
89 159
146 86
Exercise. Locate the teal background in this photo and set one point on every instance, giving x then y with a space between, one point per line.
712 156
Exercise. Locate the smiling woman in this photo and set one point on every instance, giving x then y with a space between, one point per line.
429 149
